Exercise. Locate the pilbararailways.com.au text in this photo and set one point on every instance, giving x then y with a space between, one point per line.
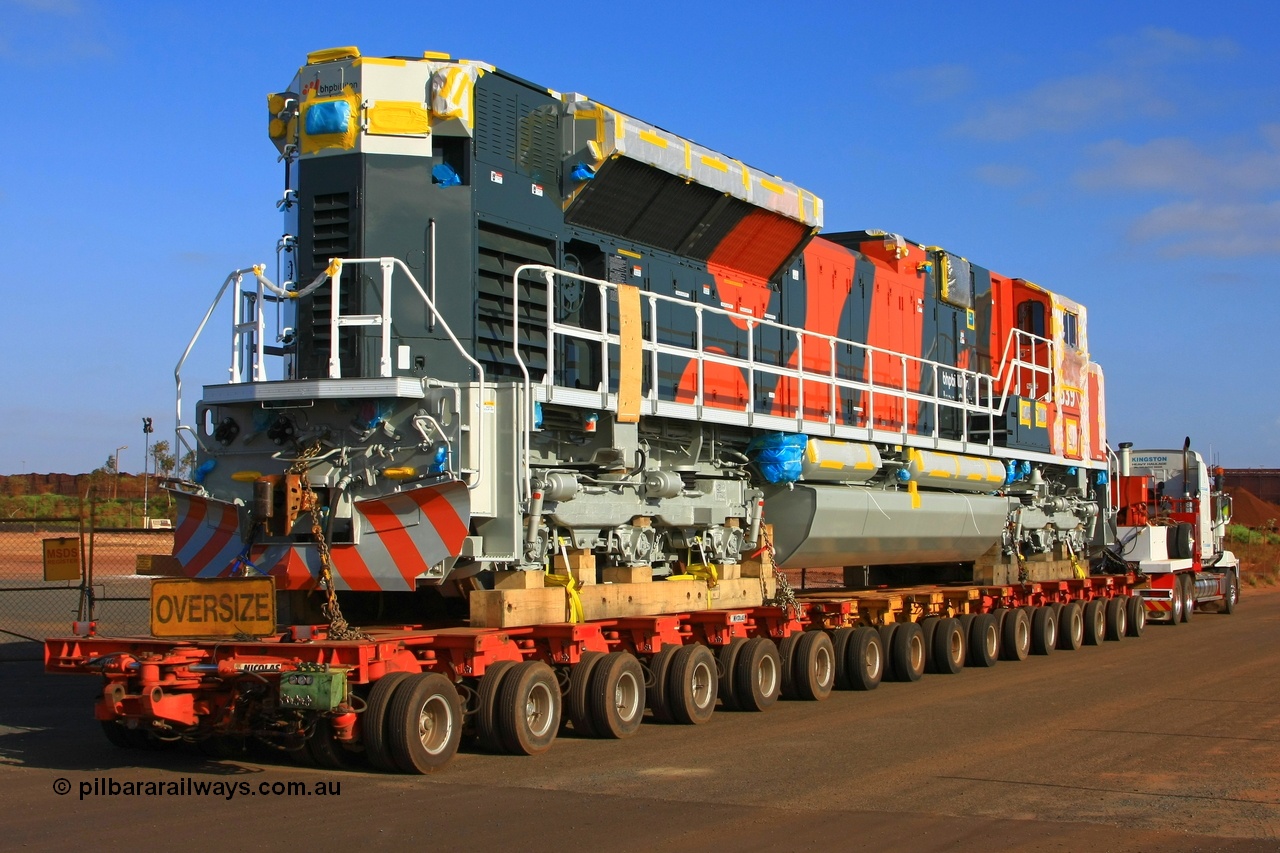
107 786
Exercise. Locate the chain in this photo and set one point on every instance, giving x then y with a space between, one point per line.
338 627
784 596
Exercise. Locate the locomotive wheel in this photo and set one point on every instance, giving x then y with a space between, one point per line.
949 647
658 696
726 657
1136 612
840 640
787 654
1188 597
373 722
424 724
815 666
617 695
1044 631
1116 617
577 711
886 646
1095 622
757 674
1071 627
528 709
984 641
864 659
907 652
1015 637
691 684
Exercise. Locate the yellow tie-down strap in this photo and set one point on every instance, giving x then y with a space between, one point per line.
571 592
630 354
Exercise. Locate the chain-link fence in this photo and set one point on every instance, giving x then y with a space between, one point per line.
105 587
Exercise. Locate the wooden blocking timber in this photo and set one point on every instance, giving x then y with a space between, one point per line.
729 571
627 574
582 566
760 565
513 608
996 569
611 601
519 580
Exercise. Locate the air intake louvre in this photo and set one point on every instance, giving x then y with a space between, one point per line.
644 204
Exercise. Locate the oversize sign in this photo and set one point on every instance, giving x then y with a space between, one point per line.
220 607
62 559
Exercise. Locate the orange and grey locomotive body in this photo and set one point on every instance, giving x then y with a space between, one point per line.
513 321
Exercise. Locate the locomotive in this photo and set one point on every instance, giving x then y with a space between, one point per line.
508 325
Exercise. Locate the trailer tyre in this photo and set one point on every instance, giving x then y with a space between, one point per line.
1015 638
1117 618
487 734
1136 612
864 659
1188 596
814 668
691 684
787 654
617 695
327 751
758 674
577 711
907 652
373 722
840 641
886 645
1095 622
726 657
1071 627
529 708
657 695
948 651
424 723
929 627
1044 630
984 641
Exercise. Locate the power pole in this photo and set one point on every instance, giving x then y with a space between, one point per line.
115 492
146 479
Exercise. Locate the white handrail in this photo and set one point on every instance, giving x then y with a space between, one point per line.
967 378
384 320
178 428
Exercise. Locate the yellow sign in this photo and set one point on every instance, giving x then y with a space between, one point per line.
220 607
62 559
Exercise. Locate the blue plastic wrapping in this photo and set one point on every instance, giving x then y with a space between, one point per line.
778 455
328 117
440 461
203 469
582 172
444 175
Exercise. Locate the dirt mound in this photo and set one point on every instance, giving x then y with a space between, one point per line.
1252 511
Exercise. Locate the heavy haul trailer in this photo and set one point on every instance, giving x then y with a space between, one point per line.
540 382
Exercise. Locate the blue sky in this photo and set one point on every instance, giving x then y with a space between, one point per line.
1125 154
